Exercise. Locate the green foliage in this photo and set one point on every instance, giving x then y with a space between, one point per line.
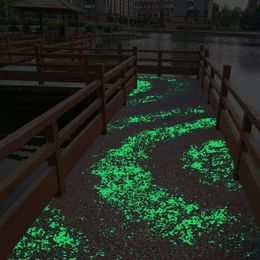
225 18
52 23
31 21
3 21
106 27
90 27
251 21
13 21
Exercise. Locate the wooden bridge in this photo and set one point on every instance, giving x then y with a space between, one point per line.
70 127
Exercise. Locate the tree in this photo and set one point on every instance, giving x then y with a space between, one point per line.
256 19
251 21
3 8
224 17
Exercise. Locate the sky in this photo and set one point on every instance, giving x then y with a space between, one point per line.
233 3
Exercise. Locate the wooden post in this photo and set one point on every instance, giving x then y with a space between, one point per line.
91 41
212 77
223 92
38 61
135 53
41 22
23 21
205 67
71 48
159 64
77 23
123 86
246 128
200 60
119 48
8 45
52 135
86 70
102 94
64 24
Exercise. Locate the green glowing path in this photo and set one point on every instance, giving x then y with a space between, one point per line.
158 186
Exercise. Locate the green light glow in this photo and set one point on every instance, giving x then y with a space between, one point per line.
142 86
148 118
129 186
174 85
213 160
51 235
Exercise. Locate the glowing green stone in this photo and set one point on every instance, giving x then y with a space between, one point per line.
148 118
212 159
174 85
142 86
64 242
125 183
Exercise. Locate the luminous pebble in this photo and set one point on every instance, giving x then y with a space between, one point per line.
148 118
175 86
126 184
213 160
142 86
63 242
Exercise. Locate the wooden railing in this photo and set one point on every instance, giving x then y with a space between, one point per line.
10 48
59 67
149 61
67 130
240 124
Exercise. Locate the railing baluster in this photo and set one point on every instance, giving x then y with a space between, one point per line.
102 94
205 67
245 129
212 77
200 70
135 53
8 43
38 60
123 86
160 64
52 135
119 48
223 92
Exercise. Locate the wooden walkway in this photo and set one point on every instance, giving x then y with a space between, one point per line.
70 128
158 186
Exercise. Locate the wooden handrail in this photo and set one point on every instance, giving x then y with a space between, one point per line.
93 118
110 74
250 116
254 116
24 134
251 112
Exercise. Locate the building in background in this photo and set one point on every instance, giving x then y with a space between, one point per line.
108 10
154 11
252 5
175 13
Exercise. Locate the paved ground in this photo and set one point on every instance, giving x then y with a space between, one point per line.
158 186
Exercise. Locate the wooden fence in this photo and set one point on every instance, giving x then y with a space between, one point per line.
67 133
59 67
10 48
240 124
149 61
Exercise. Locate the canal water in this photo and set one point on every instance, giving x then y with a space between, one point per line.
243 54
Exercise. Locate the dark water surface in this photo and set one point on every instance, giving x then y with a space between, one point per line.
243 54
